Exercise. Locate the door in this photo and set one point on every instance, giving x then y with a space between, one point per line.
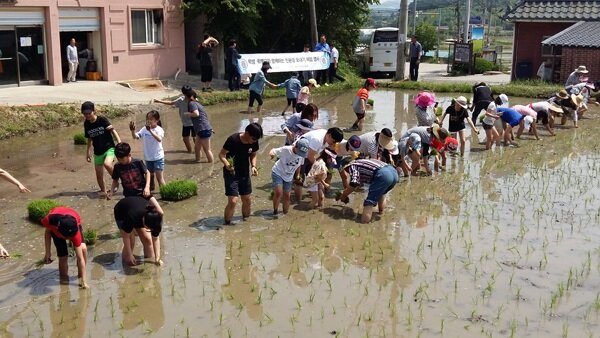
31 53
8 62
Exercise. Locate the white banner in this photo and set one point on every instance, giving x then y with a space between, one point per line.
284 62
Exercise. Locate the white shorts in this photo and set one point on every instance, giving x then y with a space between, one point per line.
314 188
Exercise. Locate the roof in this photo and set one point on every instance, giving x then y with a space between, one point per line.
581 34
554 11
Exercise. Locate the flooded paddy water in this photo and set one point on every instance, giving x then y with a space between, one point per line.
505 243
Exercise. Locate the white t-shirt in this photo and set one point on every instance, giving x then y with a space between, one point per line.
153 150
316 138
317 173
288 162
368 145
335 55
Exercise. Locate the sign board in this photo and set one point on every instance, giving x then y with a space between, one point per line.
25 41
462 52
284 62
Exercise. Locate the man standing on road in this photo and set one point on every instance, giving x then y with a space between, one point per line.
415 57
73 61
322 46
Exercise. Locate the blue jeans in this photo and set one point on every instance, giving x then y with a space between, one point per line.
277 180
383 181
158 165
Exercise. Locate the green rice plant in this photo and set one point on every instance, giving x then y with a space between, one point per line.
90 236
178 190
38 209
370 102
79 139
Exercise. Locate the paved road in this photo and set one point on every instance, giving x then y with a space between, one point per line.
113 93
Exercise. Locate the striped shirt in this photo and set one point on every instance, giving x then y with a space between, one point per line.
362 171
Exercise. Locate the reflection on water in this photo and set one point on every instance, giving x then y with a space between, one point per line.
502 243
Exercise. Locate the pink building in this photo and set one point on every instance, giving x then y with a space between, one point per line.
120 39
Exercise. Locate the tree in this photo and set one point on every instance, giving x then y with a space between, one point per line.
281 25
427 35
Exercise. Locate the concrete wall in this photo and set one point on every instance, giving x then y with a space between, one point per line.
527 45
573 57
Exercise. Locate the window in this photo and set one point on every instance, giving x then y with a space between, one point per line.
146 26
385 36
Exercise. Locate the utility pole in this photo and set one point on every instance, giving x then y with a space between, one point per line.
402 28
467 19
313 22
415 18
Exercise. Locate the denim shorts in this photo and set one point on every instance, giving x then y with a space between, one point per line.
278 181
205 133
383 181
158 165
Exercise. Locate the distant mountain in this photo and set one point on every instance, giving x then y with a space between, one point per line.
387 4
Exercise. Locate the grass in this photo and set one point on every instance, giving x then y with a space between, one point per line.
178 190
530 88
90 236
353 81
21 120
38 209
79 139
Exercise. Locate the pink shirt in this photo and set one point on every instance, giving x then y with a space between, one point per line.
525 110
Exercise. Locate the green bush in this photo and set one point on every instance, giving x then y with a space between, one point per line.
178 190
90 236
37 209
483 65
79 139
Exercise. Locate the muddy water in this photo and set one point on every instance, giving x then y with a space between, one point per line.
505 243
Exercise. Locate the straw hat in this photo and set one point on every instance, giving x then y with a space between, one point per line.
562 94
555 108
582 69
439 132
577 100
386 142
461 101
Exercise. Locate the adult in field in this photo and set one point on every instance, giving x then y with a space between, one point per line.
239 163
381 178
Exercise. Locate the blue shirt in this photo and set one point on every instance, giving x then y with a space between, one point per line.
200 122
292 87
510 116
258 84
322 47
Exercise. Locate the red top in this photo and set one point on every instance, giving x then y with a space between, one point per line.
363 93
78 238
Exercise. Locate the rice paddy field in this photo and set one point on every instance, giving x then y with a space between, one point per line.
504 243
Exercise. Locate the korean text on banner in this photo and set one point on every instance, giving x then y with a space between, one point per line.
284 62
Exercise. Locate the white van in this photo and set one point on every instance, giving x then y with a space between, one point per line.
380 56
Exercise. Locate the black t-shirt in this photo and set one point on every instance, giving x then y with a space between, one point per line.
129 213
205 56
133 177
457 118
100 133
482 93
241 154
